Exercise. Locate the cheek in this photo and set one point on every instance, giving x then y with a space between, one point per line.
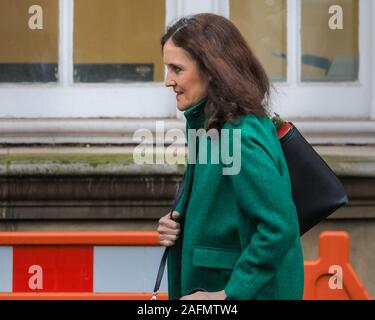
200 88
194 87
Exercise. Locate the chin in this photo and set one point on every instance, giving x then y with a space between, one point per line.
181 107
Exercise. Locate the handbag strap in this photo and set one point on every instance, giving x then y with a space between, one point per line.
159 277
163 261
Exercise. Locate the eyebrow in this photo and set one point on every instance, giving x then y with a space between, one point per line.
174 65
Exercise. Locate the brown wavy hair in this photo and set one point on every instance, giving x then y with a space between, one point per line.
238 84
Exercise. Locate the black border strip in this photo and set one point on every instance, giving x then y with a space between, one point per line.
124 72
28 72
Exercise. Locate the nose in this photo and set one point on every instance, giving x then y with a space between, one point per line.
169 82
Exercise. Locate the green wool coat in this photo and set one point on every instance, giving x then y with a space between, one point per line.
240 232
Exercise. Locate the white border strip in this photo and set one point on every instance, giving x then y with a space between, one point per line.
6 269
127 269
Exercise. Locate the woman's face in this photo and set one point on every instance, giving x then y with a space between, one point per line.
183 76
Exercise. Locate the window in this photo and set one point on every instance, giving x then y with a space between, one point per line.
106 58
118 40
317 52
28 47
264 26
330 53
327 54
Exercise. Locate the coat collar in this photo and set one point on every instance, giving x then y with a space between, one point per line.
195 115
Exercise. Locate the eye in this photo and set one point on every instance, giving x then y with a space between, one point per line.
176 69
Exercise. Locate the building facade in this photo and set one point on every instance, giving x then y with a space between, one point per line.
79 77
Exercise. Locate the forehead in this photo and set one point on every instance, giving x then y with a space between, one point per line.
175 55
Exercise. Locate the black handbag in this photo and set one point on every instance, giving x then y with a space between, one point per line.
316 190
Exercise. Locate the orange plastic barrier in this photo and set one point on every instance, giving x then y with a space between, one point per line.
331 276
75 239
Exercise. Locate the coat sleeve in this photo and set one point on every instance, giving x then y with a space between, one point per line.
264 196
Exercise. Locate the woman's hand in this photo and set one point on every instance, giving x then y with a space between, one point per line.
168 229
202 295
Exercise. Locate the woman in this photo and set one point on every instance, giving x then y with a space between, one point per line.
235 236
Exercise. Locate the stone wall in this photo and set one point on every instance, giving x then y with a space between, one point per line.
103 190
